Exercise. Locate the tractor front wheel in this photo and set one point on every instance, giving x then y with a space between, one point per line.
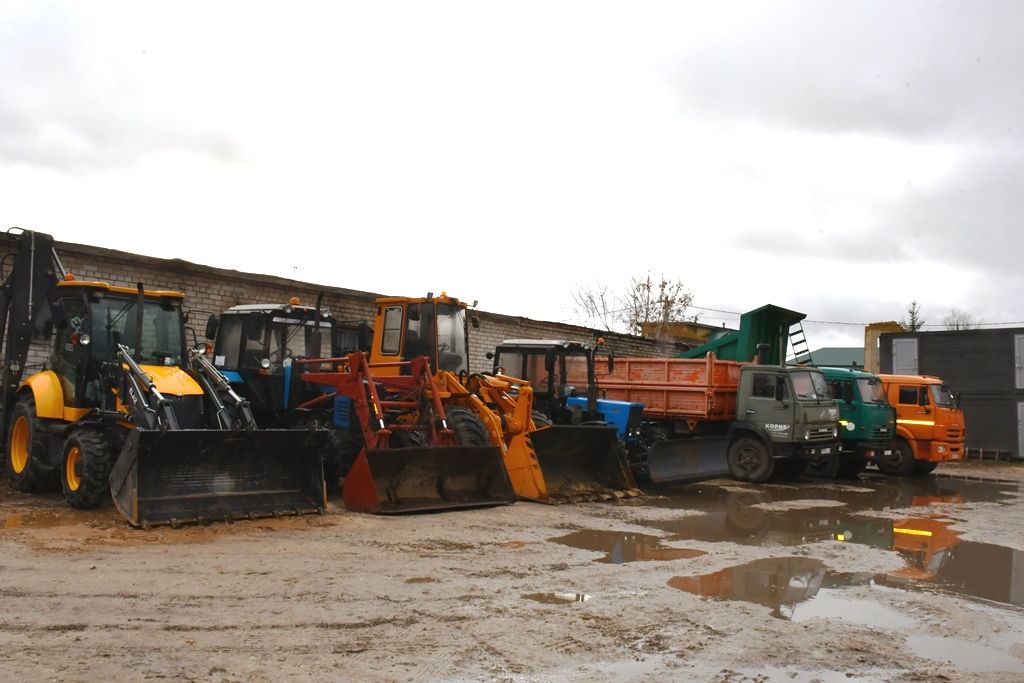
469 430
86 471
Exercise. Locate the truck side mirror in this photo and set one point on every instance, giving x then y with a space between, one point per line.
211 327
489 355
474 320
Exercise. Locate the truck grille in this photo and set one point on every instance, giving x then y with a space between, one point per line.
881 432
820 434
954 434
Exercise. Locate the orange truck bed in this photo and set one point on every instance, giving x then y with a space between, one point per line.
679 388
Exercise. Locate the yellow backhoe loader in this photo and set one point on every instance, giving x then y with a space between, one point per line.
122 408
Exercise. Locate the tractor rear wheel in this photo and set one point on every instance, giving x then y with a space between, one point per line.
86 471
27 466
469 430
900 462
749 460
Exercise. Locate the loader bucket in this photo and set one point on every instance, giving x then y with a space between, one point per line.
391 481
195 475
682 460
581 463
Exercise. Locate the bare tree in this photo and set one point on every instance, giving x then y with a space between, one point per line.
960 320
648 306
913 322
597 306
652 304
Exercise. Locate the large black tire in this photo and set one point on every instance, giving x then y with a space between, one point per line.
852 465
825 466
86 467
749 460
900 463
28 468
540 420
923 468
469 430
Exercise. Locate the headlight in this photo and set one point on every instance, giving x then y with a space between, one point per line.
265 363
807 436
942 449
84 339
325 312
835 431
850 426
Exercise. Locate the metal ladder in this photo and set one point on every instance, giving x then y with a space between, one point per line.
800 352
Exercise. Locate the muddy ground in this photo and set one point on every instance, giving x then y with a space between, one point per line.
870 580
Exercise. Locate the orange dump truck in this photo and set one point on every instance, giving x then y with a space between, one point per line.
706 417
929 424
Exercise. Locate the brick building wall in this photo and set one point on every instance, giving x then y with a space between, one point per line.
212 290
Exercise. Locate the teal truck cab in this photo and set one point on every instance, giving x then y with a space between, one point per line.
867 423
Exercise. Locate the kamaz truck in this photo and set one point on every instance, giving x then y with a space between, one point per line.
867 423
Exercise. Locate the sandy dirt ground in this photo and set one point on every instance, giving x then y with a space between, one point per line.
794 581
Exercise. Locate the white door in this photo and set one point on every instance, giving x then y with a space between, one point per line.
904 356
1018 358
1020 430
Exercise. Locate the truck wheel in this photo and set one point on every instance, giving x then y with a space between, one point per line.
86 471
852 465
27 468
749 460
825 466
923 468
900 463
469 430
540 420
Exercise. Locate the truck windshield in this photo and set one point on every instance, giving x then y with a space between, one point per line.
871 391
942 396
452 349
114 321
810 385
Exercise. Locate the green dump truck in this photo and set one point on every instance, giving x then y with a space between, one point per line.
867 422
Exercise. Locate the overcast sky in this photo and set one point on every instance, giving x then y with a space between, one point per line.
838 158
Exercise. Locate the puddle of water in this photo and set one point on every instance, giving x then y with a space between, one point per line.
621 547
556 598
869 493
965 656
778 583
833 604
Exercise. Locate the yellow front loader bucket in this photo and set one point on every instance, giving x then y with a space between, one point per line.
425 478
195 475
562 464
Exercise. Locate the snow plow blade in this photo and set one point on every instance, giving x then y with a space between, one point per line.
581 463
196 476
682 460
391 481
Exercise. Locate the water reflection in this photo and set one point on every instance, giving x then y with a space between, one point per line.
621 547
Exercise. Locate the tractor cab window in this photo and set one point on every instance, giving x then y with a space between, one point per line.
229 342
511 363
114 321
537 373
452 346
391 340
297 338
419 332
75 323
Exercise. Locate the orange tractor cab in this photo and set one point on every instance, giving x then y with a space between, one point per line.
929 425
